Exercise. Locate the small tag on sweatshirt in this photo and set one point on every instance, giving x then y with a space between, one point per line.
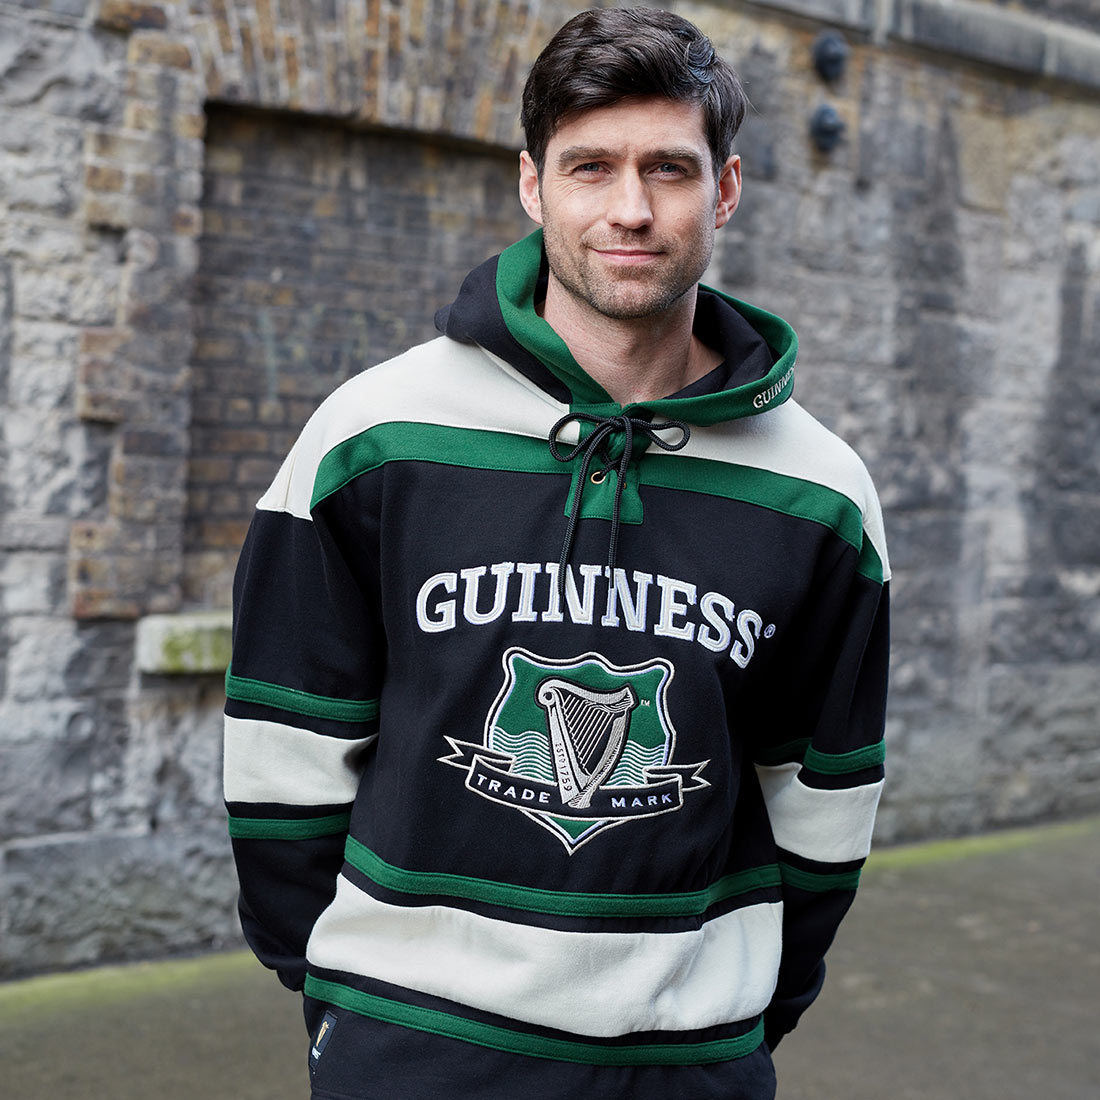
324 1033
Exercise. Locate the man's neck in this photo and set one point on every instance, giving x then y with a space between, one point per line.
635 360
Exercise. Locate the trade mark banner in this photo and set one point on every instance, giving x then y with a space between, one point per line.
579 745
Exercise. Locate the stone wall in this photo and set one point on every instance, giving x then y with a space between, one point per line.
941 269
324 250
942 266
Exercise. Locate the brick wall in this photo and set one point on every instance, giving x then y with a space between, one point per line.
325 250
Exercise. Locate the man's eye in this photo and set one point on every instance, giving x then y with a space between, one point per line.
670 169
591 166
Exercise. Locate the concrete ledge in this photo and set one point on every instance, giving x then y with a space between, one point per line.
857 14
184 644
1074 56
1013 40
976 31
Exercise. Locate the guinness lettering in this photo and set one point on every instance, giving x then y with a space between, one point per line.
763 399
528 592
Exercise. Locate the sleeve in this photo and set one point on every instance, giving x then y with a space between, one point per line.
821 767
301 716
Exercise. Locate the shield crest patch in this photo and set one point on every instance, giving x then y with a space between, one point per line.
579 745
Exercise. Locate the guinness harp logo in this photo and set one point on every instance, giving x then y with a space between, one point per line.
587 734
579 745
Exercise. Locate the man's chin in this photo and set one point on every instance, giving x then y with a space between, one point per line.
624 295
636 303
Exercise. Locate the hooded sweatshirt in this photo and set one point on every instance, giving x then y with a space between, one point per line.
554 727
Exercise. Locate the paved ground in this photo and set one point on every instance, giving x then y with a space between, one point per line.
968 970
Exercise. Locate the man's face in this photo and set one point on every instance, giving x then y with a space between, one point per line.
629 203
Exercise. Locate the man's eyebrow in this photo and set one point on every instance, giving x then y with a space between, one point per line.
691 156
579 154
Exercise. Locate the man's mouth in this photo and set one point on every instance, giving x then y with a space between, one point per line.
628 256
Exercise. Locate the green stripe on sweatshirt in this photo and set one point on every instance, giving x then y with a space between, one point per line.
534 1046
277 828
556 902
782 493
475 448
824 763
401 441
818 882
299 702
843 763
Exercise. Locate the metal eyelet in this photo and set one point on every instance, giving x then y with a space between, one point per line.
598 477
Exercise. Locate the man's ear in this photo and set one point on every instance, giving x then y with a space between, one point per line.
529 187
729 191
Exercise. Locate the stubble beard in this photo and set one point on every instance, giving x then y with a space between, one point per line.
627 295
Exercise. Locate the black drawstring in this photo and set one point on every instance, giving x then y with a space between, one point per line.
605 426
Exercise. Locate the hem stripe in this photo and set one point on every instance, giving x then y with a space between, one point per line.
535 1046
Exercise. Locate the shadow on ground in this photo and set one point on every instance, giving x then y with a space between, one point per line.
968 970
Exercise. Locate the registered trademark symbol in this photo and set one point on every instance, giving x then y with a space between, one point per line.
769 630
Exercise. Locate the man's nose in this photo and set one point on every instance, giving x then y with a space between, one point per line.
629 205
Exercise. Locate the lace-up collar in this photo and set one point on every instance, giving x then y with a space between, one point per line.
594 445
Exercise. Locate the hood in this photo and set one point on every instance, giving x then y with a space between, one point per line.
495 308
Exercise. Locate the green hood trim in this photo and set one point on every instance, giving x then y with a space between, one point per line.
752 398
516 282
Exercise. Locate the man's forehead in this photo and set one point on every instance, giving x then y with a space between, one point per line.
651 122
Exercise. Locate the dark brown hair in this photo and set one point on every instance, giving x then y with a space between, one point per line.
602 56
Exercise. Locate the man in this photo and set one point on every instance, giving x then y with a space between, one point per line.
554 723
